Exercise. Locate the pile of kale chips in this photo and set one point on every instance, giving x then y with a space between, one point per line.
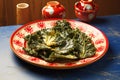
60 42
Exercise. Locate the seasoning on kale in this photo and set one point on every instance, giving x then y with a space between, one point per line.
60 43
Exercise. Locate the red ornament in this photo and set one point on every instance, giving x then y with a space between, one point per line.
101 48
18 43
34 59
99 41
29 29
86 10
53 9
41 25
20 35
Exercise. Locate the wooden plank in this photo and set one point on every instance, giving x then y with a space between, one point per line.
2 13
35 9
108 7
8 9
10 12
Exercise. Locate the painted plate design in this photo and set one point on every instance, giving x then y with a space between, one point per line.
17 42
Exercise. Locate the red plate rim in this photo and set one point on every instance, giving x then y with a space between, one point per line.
54 66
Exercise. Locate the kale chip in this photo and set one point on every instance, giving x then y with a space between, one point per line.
60 43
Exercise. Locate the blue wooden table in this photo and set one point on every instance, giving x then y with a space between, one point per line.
107 68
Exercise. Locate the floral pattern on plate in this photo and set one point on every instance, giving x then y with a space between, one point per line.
17 43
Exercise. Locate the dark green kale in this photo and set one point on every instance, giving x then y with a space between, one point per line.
60 42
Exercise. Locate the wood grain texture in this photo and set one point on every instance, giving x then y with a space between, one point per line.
8 9
2 13
108 7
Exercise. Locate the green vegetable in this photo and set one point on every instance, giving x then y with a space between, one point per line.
60 43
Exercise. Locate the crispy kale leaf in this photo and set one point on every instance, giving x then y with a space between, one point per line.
60 42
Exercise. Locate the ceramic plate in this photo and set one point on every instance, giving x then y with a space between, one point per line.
17 43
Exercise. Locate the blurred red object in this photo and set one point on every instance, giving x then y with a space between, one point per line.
53 9
86 10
